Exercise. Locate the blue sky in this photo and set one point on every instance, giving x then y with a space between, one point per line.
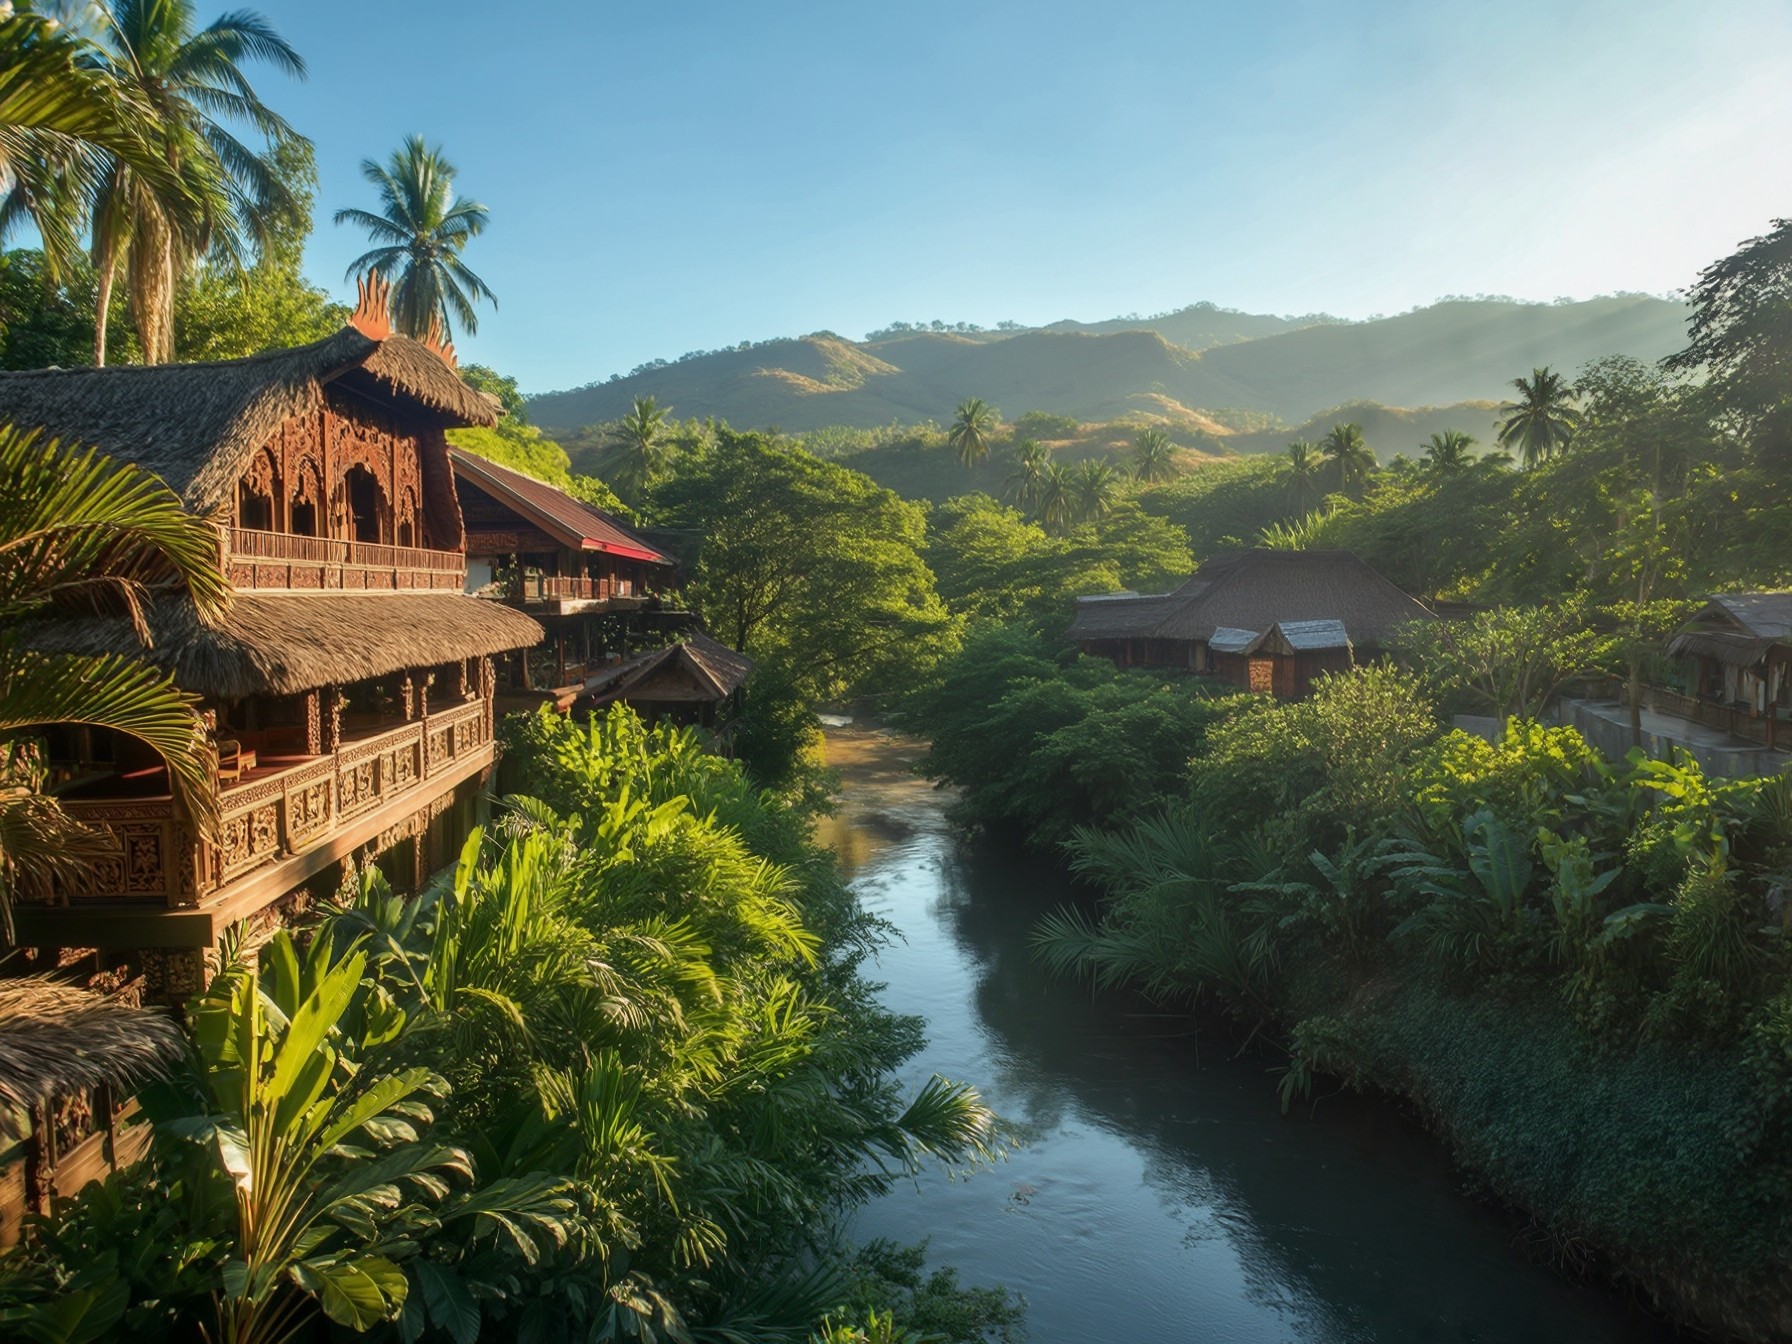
686 174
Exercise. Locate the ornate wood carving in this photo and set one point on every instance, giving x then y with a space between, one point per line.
314 723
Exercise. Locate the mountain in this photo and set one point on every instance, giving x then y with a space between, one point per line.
1236 369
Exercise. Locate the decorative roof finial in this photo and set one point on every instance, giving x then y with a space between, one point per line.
373 313
438 341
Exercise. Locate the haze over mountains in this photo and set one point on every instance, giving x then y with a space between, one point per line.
1202 367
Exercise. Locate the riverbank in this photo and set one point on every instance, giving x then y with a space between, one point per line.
1153 1164
1576 972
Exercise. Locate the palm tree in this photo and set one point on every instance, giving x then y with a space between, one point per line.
1057 498
1448 451
1304 467
191 80
1153 456
1350 456
1092 489
421 231
1541 423
59 119
641 437
78 529
1031 458
971 429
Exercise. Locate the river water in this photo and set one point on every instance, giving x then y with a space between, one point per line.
1153 1190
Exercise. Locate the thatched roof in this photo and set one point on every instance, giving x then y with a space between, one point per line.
1118 615
56 1039
196 425
284 643
695 669
1738 629
1254 590
573 522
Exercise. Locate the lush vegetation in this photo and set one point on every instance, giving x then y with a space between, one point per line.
614 1077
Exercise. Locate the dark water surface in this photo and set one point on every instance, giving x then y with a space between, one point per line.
1157 1193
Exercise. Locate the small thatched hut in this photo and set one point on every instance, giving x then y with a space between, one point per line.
1267 620
68 1061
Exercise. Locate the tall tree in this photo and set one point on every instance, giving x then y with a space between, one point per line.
1093 487
228 195
1153 456
1350 456
1031 458
1542 421
641 441
1057 499
77 528
1448 450
1305 466
422 230
808 564
971 430
1740 338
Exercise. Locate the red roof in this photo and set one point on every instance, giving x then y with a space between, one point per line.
554 511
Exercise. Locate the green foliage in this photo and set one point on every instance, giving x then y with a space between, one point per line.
808 564
614 1076
934 1305
1307 770
1510 662
1045 746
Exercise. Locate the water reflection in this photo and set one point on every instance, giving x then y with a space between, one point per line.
1159 1193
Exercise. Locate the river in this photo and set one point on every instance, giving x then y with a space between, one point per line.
1154 1191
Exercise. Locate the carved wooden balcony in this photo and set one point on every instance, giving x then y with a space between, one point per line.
282 823
276 561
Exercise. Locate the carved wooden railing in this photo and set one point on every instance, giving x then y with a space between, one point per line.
276 815
279 561
551 588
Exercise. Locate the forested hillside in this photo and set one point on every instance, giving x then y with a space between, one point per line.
1198 364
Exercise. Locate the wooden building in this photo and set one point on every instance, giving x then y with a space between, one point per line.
352 682
1267 620
599 590
687 682
1733 661
69 1059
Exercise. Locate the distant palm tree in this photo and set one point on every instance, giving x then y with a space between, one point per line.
971 430
1057 498
422 230
1153 456
1031 458
224 193
1542 422
1448 451
1093 485
1305 466
1351 458
641 435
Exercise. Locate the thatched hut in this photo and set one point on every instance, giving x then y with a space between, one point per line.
686 683
1267 620
69 1059
1733 659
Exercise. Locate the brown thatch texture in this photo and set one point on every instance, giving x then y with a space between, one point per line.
1119 616
56 1039
283 643
195 425
697 669
1253 590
